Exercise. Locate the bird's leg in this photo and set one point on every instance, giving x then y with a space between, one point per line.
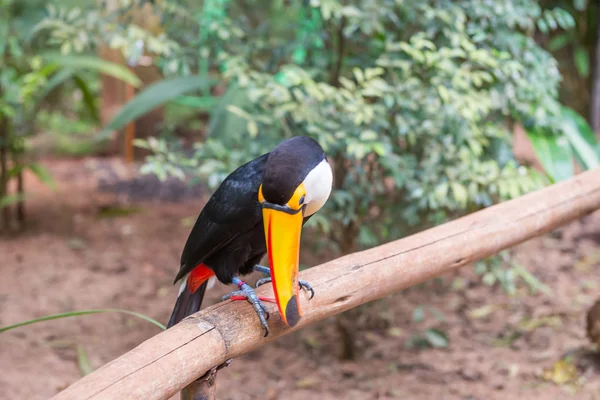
247 292
265 270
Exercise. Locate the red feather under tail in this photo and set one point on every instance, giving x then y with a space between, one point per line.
191 295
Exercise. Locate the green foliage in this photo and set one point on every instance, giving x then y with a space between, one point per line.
412 101
503 271
83 62
581 17
429 338
409 100
569 138
28 76
154 96
553 153
66 135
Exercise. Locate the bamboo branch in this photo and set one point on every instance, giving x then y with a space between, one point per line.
169 361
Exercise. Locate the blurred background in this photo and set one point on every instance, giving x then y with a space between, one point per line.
119 118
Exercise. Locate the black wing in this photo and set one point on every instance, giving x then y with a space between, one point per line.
230 212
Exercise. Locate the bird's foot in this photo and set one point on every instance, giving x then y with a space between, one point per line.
248 293
262 269
265 270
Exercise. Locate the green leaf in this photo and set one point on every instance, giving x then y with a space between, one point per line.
57 79
42 174
224 124
88 97
554 154
581 137
92 63
366 237
437 338
83 312
152 97
82 360
582 61
534 283
558 41
460 193
252 129
418 314
10 199
204 103
580 5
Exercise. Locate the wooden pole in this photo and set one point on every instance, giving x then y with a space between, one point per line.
171 360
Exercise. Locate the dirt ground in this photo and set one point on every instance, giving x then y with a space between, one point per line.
78 253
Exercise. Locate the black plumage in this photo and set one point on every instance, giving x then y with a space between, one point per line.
228 235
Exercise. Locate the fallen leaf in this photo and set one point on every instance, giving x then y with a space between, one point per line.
83 361
76 243
188 222
561 372
313 342
588 262
482 312
532 324
306 383
395 332
436 338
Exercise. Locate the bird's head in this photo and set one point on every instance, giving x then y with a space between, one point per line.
297 181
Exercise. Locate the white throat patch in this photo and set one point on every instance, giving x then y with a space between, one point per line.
318 185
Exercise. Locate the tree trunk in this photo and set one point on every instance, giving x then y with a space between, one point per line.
114 92
18 160
4 127
346 327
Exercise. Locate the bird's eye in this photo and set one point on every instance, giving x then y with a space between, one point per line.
301 200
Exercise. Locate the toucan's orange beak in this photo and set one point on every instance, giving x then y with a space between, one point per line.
282 233
283 225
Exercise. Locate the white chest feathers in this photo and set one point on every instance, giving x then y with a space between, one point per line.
318 185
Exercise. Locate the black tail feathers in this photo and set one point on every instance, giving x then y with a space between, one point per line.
187 303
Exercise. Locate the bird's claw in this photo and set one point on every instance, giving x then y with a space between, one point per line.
307 286
247 292
301 283
262 281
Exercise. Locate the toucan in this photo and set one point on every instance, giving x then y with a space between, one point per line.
258 209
